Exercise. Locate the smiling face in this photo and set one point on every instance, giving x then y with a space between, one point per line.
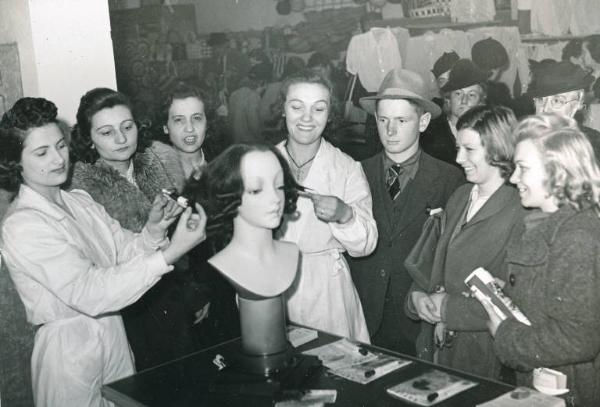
45 158
399 124
531 177
263 197
306 112
186 125
461 100
472 157
114 134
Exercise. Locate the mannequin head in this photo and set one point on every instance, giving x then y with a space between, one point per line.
225 189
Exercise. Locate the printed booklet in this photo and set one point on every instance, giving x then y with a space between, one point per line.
482 283
354 362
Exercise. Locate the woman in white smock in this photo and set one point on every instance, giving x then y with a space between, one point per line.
73 265
334 216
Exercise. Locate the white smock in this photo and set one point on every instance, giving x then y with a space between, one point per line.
323 295
74 272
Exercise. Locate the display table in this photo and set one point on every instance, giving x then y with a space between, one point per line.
185 382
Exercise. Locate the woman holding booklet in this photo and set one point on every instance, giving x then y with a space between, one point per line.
480 218
553 267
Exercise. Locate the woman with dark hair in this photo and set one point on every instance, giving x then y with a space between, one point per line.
123 172
73 265
480 217
183 119
16 335
553 265
334 217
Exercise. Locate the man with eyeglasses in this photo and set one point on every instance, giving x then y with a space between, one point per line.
560 88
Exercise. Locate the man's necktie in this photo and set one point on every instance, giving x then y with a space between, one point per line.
393 180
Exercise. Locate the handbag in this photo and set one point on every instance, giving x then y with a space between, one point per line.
419 261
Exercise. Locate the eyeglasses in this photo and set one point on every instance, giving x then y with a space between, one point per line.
556 102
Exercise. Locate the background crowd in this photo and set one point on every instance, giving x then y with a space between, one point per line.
112 276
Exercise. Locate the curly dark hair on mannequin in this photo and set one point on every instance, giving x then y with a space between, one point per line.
220 187
91 103
26 114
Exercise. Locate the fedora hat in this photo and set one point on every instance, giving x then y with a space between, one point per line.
464 73
555 78
402 84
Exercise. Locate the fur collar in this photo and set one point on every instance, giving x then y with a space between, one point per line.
122 200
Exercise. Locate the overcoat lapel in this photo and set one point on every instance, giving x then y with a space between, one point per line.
495 204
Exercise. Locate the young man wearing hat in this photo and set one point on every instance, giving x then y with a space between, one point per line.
404 182
465 89
560 88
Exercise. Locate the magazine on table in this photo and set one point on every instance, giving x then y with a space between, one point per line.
354 362
482 284
430 388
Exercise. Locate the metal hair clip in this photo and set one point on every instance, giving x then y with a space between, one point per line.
171 193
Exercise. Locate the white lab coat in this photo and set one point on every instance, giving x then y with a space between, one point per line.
73 274
323 295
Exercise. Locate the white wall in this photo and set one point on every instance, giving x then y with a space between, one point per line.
73 50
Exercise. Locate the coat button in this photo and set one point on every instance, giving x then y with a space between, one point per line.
511 279
382 273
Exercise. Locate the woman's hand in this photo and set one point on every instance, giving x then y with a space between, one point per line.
331 208
495 320
201 314
163 213
190 231
428 307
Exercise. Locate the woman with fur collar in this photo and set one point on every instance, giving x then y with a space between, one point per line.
124 174
184 120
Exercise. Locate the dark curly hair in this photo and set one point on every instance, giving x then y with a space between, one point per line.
494 124
220 187
91 103
26 114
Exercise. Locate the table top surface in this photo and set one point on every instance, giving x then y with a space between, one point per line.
185 382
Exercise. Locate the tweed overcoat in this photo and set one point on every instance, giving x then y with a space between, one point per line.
553 274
